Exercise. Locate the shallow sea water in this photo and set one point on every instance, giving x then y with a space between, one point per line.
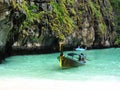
42 72
102 64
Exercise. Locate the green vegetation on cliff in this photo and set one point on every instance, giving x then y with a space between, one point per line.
58 21
96 12
61 24
60 18
116 7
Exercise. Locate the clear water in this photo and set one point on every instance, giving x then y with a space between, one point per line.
102 65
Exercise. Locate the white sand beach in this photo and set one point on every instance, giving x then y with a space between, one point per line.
38 84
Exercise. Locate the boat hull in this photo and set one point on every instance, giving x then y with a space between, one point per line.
66 62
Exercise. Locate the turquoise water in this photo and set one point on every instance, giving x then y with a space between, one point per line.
102 65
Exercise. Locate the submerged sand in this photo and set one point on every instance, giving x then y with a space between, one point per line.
40 84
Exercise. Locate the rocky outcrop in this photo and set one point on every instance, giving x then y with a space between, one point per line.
92 24
5 27
10 21
96 28
43 24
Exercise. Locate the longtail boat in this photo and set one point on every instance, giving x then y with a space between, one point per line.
67 62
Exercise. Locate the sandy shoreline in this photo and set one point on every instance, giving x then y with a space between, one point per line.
40 84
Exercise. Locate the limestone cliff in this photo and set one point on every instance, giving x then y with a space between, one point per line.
45 23
77 22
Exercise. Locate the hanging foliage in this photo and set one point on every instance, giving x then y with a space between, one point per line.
65 24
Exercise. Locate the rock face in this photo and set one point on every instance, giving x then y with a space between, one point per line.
10 21
5 27
93 24
43 24
95 29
